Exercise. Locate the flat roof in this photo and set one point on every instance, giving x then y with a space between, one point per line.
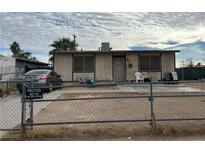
112 51
31 61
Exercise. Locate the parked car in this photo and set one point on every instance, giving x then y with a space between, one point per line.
42 78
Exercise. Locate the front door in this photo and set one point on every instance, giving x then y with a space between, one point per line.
119 69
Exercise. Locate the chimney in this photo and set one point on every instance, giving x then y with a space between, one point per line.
105 46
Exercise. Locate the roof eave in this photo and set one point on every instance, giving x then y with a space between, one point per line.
97 51
31 61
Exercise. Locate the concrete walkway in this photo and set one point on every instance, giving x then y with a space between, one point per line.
10 109
158 88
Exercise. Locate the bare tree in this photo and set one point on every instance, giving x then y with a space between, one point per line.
199 64
190 62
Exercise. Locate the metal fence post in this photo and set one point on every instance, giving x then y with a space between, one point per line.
31 109
151 99
23 109
31 113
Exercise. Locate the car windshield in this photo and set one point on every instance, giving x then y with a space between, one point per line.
37 72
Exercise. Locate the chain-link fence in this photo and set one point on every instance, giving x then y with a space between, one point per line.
123 105
10 73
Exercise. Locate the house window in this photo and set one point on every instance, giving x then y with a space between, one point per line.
78 64
149 63
83 64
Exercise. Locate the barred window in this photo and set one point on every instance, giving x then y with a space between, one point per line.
78 64
149 63
83 64
144 63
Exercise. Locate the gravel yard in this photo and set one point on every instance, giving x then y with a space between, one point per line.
123 109
119 109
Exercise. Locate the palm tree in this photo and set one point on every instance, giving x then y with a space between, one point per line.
64 44
15 49
26 55
17 52
33 58
73 45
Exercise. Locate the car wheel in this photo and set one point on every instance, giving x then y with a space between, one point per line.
50 87
20 91
61 84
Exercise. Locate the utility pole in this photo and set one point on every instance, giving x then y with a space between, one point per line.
182 69
74 38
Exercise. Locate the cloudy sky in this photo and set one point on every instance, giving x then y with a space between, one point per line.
35 31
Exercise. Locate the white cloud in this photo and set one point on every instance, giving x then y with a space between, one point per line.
41 58
35 31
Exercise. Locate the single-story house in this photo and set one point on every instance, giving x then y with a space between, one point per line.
106 64
11 68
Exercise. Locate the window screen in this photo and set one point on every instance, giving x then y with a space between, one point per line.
144 63
149 63
155 63
78 64
89 64
83 64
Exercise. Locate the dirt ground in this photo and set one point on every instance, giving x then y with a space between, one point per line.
120 109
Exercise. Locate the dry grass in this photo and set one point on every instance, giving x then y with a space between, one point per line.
128 131
11 88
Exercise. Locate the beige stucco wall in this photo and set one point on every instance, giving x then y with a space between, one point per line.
103 67
63 65
168 62
131 58
150 75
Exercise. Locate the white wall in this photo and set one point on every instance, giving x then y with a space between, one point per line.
7 65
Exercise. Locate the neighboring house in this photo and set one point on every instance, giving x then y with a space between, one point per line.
1 56
113 65
11 68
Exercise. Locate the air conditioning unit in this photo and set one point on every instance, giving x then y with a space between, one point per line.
105 46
